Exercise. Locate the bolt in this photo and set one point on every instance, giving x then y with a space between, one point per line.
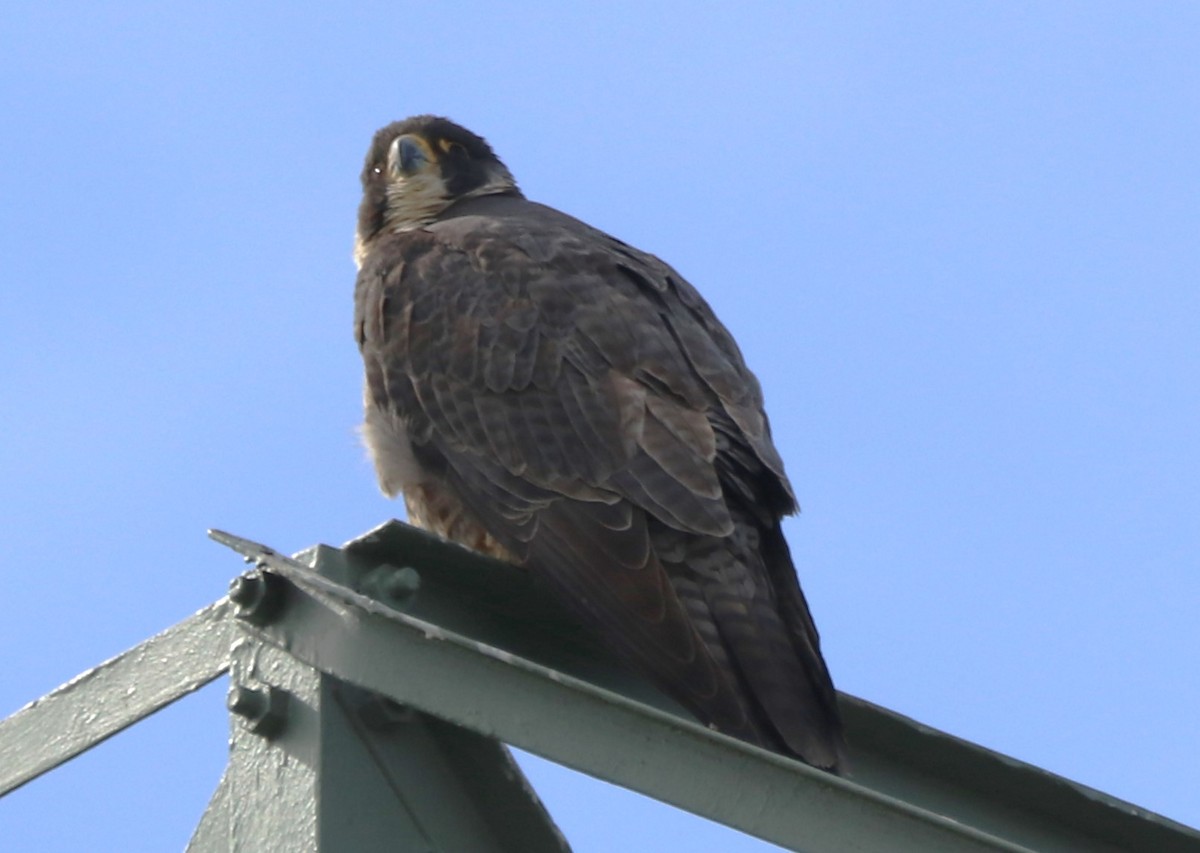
263 709
244 590
257 596
401 583
391 585
246 701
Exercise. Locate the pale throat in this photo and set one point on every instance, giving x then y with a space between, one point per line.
414 202
420 199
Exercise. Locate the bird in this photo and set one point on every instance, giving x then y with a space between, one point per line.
540 391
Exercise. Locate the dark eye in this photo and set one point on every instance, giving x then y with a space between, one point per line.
454 149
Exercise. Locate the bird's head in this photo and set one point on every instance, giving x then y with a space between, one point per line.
418 167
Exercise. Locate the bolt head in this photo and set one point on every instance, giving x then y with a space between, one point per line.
391 585
263 710
257 596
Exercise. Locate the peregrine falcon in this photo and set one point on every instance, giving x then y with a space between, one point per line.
543 392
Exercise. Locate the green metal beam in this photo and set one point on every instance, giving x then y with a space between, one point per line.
345 770
501 605
453 652
317 764
491 691
476 654
116 694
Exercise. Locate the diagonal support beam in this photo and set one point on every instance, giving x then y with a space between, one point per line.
577 724
318 764
476 642
212 833
116 694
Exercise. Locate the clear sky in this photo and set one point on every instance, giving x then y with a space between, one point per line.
959 243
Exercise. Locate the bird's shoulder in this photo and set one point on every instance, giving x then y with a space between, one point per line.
506 258
504 298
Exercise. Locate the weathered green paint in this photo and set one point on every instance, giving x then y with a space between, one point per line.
913 787
477 653
343 769
116 694
345 772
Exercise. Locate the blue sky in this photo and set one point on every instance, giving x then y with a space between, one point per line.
958 243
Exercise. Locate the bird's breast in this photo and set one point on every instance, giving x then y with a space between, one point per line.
386 436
